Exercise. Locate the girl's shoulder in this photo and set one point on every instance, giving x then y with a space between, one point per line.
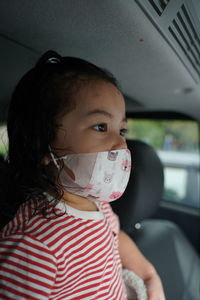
30 219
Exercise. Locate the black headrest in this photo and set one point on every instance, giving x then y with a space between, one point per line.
145 187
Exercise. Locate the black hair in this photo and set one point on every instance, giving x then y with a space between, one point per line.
40 97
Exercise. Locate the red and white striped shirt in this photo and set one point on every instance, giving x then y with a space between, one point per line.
70 256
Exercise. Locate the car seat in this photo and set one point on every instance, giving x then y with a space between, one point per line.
161 241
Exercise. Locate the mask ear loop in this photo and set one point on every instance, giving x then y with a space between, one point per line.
53 158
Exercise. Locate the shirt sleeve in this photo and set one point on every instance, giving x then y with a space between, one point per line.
27 268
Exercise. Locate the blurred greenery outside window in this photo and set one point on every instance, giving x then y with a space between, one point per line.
177 144
3 140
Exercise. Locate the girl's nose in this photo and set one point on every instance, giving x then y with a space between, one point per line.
118 142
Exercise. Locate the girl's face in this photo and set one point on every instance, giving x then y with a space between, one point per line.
96 124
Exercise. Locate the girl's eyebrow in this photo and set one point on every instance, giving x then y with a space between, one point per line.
103 112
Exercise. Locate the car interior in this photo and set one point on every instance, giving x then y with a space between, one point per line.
152 47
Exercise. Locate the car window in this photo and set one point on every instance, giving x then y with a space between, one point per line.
177 144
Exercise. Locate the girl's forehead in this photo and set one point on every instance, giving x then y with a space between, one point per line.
97 94
93 100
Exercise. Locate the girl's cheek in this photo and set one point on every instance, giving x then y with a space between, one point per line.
94 144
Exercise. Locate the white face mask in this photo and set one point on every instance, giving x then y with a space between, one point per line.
100 176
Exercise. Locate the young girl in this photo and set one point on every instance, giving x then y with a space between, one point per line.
67 160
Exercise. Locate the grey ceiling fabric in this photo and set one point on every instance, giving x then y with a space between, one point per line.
114 34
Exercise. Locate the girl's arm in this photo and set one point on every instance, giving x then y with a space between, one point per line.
134 260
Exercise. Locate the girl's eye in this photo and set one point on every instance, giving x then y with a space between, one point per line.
123 131
104 128
101 127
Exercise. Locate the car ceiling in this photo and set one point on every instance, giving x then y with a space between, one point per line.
119 35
